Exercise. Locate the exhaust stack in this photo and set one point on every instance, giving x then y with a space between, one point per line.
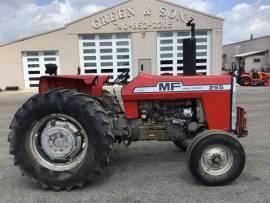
189 51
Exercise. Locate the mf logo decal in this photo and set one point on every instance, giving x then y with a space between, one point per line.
179 87
169 86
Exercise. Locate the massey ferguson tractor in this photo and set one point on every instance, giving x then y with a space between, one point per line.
63 137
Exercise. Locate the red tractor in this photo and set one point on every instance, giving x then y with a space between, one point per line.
255 79
63 136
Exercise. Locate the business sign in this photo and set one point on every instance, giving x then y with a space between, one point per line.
116 16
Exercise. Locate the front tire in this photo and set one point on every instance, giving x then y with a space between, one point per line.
215 158
62 139
182 145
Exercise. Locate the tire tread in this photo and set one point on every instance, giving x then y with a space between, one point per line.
84 102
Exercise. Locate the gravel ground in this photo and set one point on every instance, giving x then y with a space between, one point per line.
151 171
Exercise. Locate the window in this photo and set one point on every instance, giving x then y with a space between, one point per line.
105 44
125 63
123 57
32 53
106 64
49 53
166 48
90 71
33 59
166 55
122 50
105 51
90 65
33 65
122 36
105 36
50 59
106 70
88 37
86 58
183 34
109 57
89 44
257 60
166 34
34 72
122 43
89 51
169 41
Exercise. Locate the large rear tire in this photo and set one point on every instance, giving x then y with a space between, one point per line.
110 103
62 139
245 81
266 82
215 158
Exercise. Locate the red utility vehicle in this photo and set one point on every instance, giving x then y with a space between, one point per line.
63 136
255 79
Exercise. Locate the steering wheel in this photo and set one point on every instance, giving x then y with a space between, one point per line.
122 78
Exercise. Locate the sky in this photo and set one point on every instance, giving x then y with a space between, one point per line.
21 18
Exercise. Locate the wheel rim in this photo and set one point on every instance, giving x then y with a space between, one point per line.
216 160
58 142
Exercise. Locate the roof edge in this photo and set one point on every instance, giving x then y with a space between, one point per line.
96 13
32 36
251 53
266 36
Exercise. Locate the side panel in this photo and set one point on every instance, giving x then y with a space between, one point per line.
213 91
217 110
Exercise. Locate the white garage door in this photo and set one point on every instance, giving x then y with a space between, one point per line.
34 65
170 52
105 54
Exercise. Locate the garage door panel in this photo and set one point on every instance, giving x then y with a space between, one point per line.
170 51
112 54
34 65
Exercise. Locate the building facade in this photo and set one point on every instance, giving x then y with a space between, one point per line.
133 35
247 55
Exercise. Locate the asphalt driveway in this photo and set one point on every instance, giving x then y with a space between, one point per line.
150 171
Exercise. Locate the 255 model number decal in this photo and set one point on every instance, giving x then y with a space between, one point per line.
216 87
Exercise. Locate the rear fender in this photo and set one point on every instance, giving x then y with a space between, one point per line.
88 84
